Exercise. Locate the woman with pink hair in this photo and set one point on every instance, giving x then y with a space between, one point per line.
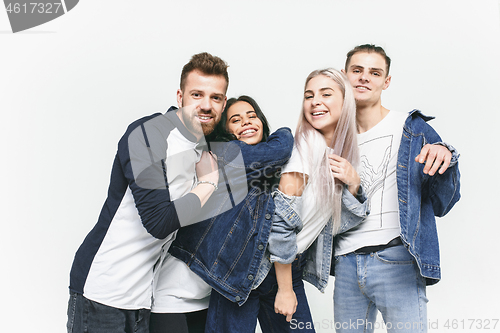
319 196
322 172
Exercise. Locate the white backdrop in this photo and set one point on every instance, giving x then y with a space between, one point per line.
69 88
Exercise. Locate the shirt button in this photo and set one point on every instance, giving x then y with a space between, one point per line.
237 298
260 247
250 277
268 216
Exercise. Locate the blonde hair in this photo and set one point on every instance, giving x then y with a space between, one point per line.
326 189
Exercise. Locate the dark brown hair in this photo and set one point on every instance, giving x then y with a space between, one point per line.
222 134
207 64
368 48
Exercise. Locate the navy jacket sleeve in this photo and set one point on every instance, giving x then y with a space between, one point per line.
263 156
142 155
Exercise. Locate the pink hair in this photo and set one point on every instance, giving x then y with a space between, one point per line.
326 189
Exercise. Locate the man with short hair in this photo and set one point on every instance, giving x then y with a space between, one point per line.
161 178
410 177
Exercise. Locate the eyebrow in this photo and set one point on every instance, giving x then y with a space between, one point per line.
238 115
321 89
199 91
370 68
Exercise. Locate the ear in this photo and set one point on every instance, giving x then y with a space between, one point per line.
179 98
343 71
387 82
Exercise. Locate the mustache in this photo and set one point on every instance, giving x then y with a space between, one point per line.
207 113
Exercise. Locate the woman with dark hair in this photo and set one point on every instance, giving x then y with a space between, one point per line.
227 249
222 132
257 273
243 120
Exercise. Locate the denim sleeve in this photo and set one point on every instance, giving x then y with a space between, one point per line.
443 190
274 152
282 243
354 209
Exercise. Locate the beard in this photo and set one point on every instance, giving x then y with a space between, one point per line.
194 125
209 128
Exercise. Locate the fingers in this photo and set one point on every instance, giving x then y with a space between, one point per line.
337 164
423 154
206 168
343 170
435 157
287 313
337 158
285 303
210 158
446 163
431 165
213 160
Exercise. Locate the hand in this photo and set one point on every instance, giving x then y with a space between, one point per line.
285 303
434 156
344 171
206 168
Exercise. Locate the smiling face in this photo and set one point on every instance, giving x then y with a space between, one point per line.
201 102
323 100
242 121
368 77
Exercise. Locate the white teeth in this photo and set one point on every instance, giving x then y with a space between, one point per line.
364 88
318 113
204 118
248 131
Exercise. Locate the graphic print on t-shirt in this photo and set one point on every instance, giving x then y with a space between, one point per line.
374 168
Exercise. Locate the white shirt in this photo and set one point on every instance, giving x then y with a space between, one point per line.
176 289
313 221
378 149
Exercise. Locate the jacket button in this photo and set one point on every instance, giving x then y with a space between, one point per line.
268 216
260 247
250 277
237 298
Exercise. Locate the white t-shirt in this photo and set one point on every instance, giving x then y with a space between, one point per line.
378 149
176 289
313 220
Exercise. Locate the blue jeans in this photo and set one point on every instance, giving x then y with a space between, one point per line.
225 316
86 316
389 281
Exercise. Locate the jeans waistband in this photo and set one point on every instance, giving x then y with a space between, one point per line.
371 249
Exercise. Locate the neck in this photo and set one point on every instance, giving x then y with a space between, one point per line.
328 138
367 116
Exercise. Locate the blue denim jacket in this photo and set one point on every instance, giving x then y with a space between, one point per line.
227 249
287 222
422 197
